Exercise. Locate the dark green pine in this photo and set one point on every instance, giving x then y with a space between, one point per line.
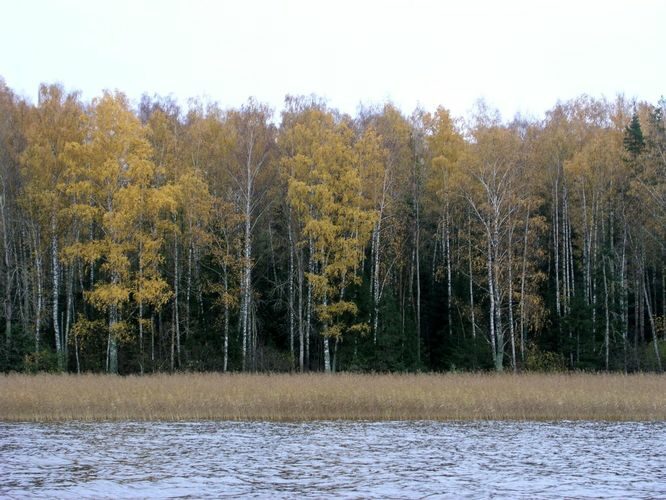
633 137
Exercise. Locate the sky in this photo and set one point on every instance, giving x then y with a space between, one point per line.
519 56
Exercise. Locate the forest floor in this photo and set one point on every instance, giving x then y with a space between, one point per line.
283 397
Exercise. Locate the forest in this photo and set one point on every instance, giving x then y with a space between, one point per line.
141 238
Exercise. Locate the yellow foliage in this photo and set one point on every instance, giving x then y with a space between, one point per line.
121 332
106 295
323 166
84 330
88 252
153 291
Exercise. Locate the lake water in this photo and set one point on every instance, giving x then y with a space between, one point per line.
333 459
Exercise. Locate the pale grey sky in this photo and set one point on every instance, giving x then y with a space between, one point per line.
521 56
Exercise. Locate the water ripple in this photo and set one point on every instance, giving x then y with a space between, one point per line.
333 459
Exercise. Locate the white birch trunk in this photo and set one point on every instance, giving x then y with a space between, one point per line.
471 281
376 264
655 340
112 342
292 315
449 286
512 332
624 297
417 262
245 288
38 280
225 365
70 309
663 297
175 335
375 279
301 333
607 314
593 269
499 359
7 304
523 277
188 290
308 312
327 350
556 246
152 341
491 298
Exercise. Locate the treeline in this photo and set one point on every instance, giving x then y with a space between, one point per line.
162 239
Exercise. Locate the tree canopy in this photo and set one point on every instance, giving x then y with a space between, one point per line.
163 239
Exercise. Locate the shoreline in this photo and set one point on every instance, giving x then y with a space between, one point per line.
343 396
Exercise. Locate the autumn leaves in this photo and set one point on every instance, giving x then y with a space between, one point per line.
217 239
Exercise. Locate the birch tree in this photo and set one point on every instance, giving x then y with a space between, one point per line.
446 147
493 194
55 122
327 198
11 141
250 174
114 172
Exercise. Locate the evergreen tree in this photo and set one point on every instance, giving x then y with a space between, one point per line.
633 137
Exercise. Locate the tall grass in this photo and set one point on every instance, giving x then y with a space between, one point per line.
341 396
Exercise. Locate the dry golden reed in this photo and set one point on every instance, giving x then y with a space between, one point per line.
341 396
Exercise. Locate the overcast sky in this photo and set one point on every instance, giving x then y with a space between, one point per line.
521 56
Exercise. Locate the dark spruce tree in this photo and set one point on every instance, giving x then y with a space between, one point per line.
634 142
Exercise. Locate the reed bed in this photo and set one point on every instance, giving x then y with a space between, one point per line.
282 397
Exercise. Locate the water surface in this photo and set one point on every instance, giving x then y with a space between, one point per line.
333 459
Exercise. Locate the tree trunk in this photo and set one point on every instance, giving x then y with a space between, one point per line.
449 279
188 290
38 281
655 340
301 332
55 274
523 275
587 241
499 358
308 312
244 319
663 297
7 304
471 281
152 342
292 329
292 313
112 341
556 245
607 311
624 297
491 299
225 365
327 356
172 354
564 258
24 278
512 332
253 336
593 271
246 286
141 337
638 294
70 310
175 336
76 353
327 347
417 266
641 305
376 244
